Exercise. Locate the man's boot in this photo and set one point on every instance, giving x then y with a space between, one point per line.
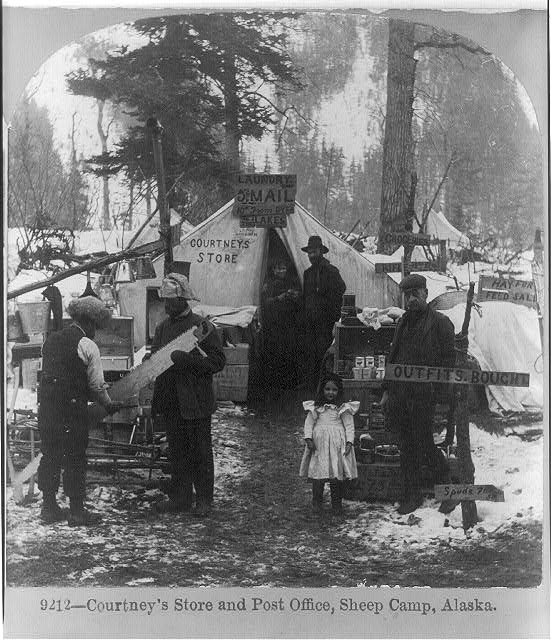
317 496
51 512
79 516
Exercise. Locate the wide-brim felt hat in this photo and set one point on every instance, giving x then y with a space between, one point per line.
315 242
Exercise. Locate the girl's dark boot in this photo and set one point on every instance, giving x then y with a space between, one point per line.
79 516
336 496
51 512
317 495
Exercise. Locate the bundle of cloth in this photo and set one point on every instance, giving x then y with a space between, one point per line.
376 318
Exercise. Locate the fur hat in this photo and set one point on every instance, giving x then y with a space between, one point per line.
413 281
176 285
89 308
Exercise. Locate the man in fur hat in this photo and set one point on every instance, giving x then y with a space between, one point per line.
323 289
184 395
72 374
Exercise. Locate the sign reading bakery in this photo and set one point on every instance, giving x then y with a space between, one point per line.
264 199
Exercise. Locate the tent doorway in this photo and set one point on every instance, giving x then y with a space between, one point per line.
280 299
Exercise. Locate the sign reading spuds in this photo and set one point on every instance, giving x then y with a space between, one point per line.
263 199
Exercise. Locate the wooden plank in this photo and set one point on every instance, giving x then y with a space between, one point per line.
405 237
468 492
497 289
421 373
127 388
390 267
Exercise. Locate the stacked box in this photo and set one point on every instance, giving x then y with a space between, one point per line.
29 372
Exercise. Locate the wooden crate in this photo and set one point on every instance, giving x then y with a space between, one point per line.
237 355
232 383
377 481
29 372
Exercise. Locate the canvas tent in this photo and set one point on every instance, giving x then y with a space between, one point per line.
227 263
505 337
439 227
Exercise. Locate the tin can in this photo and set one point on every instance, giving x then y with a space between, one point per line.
381 362
369 361
380 373
360 361
357 373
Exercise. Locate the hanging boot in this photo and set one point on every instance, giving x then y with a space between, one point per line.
336 497
317 496
51 512
79 516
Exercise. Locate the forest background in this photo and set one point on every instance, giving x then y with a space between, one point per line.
293 93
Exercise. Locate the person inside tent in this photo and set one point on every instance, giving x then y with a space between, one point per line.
71 375
280 307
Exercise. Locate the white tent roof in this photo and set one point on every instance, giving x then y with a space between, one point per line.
227 262
439 227
506 338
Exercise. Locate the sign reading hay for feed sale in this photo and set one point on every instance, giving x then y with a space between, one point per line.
493 288
263 199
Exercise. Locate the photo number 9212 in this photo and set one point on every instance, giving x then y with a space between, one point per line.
55 605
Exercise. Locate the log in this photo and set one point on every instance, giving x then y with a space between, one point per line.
96 264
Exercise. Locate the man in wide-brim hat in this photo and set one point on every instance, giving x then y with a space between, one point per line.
72 374
184 396
323 289
423 337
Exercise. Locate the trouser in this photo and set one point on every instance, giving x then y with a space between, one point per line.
191 460
412 418
336 487
63 442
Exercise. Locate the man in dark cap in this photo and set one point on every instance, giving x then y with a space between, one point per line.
323 289
423 337
72 374
184 395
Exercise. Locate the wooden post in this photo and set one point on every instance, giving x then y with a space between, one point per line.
164 214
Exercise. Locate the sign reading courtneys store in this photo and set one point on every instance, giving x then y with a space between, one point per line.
264 200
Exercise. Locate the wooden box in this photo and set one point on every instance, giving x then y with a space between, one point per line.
237 355
29 372
115 342
359 340
378 481
232 383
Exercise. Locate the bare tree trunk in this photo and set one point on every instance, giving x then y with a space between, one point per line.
233 136
398 139
106 219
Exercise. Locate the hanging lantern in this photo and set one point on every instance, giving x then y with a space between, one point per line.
124 272
144 268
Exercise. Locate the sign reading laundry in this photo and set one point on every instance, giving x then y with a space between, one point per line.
264 195
421 373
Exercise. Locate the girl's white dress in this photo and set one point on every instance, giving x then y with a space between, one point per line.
330 427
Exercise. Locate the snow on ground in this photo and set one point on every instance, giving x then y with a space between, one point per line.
508 463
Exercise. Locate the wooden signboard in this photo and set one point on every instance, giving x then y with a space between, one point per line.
497 289
468 492
405 237
422 373
264 199
263 221
390 267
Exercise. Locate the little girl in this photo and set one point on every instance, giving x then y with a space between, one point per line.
329 435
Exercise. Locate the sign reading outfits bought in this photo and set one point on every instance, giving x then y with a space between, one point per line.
264 199
492 288
422 373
